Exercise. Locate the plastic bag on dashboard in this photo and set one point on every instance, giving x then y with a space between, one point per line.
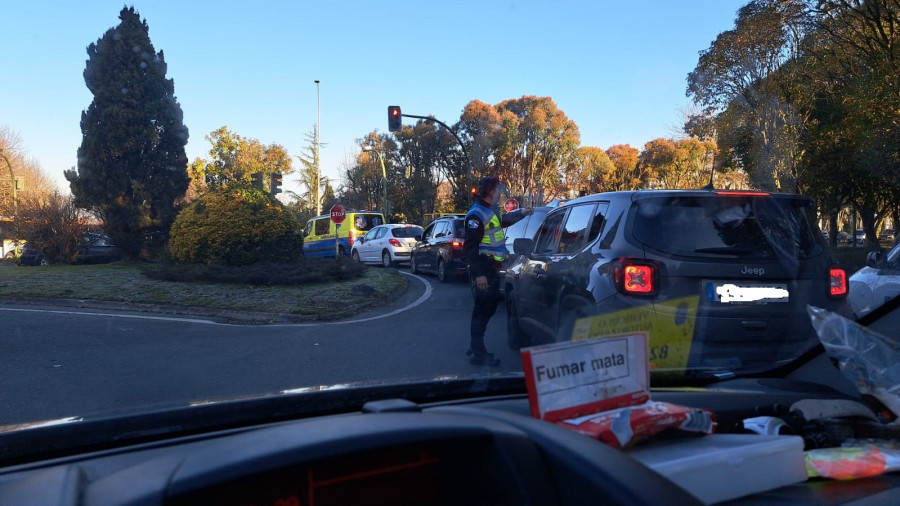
870 360
850 462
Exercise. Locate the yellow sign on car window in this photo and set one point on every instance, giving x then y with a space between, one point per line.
670 325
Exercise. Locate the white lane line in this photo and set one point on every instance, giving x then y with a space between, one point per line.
409 306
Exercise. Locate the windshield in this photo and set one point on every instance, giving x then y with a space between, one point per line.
187 191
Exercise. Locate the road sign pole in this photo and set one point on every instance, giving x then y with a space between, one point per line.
337 240
338 213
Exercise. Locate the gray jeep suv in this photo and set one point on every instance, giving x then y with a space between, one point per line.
710 275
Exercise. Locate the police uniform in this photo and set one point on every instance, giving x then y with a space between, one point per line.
485 250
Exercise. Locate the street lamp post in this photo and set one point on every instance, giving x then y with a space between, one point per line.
318 147
12 180
384 199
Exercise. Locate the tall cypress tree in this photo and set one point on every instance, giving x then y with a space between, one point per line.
132 166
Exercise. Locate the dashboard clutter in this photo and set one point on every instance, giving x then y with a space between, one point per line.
851 462
624 427
721 467
600 387
868 359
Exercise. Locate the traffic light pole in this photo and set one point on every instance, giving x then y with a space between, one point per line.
463 146
12 180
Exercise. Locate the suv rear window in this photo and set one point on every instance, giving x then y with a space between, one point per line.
716 225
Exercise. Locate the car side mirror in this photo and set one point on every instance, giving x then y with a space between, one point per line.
362 240
419 238
522 246
874 258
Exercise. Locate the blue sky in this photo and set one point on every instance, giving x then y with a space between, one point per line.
618 69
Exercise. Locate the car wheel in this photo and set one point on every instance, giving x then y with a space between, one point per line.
515 336
412 264
386 258
442 271
355 255
43 261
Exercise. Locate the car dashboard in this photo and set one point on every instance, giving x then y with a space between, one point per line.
477 450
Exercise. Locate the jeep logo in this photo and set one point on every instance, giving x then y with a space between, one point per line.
756 271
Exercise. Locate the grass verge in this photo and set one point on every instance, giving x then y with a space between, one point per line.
124 283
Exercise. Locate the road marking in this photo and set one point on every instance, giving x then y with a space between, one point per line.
425 296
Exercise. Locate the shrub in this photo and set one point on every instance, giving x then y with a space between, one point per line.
236 225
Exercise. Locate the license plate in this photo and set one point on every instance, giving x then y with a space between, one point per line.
746 292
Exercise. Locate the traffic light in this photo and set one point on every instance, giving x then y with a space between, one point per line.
395 124
256 180
275 186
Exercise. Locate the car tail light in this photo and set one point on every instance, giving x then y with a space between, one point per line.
395 243
837 282
457 243
636 277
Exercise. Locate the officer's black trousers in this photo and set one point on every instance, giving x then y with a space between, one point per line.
485 306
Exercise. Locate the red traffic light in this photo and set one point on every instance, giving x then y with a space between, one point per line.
275 184
395 123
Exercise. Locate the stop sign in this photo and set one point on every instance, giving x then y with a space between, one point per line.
338 214
511 205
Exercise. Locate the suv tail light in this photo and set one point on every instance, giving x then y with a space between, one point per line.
837 282
636 277
350 237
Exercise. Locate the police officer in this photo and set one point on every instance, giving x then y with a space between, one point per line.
485 250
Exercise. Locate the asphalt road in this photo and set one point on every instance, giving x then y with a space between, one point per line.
60 362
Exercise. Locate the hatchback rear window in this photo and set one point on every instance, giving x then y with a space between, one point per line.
406 231
458 229
716 225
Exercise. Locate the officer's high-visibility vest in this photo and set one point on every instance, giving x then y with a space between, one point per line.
493 243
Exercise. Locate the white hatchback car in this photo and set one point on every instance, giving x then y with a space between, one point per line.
386 244
877 283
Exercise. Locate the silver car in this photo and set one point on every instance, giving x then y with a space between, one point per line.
386 244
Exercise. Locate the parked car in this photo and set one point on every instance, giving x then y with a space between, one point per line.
32 255
876 283
387 244
96 248
860 236
886 235
737 267
440 250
